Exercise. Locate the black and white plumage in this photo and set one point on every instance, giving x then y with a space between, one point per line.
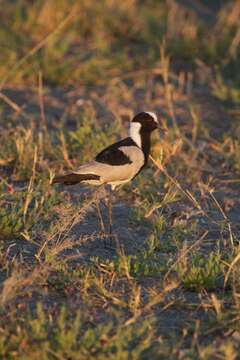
120 162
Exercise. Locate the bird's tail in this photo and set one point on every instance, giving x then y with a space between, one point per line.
73 178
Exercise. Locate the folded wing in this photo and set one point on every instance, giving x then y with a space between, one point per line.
113 154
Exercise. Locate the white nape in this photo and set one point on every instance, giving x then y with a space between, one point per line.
135 133
153 115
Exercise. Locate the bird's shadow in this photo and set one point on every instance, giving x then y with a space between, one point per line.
128 236
84 237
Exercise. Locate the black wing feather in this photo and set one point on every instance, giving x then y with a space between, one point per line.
113 156
72 179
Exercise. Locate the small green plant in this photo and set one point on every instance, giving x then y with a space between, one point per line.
202 271
21 209
66 337
148 262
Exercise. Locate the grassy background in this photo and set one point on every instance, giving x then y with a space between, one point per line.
72 74
111 38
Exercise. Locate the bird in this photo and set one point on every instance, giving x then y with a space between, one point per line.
120 162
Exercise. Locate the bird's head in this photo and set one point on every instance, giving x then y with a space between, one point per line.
143 124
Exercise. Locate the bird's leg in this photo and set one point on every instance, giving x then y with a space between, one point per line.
100 218
109 204
110 213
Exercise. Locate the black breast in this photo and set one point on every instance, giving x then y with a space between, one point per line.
146 144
